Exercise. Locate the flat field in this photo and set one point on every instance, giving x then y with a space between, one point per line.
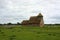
19 32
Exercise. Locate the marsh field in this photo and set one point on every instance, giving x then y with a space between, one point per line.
18 32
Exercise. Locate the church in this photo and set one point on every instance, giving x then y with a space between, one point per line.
34 20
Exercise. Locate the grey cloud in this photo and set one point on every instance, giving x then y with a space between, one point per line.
18 10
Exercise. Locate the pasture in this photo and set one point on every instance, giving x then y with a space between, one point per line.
19 32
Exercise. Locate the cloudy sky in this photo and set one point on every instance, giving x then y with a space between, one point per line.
18 10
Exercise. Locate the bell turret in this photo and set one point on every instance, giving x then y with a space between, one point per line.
40 15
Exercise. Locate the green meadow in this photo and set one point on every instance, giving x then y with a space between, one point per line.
19 32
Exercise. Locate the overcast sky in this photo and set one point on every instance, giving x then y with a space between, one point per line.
17 10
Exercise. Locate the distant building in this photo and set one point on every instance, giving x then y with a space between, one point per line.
34 20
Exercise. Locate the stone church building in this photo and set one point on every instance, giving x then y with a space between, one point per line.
34 20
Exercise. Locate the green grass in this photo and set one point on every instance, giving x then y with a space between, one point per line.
30 33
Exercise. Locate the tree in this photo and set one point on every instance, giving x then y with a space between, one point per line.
18 23
9 23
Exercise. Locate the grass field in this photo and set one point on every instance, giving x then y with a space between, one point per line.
30 33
